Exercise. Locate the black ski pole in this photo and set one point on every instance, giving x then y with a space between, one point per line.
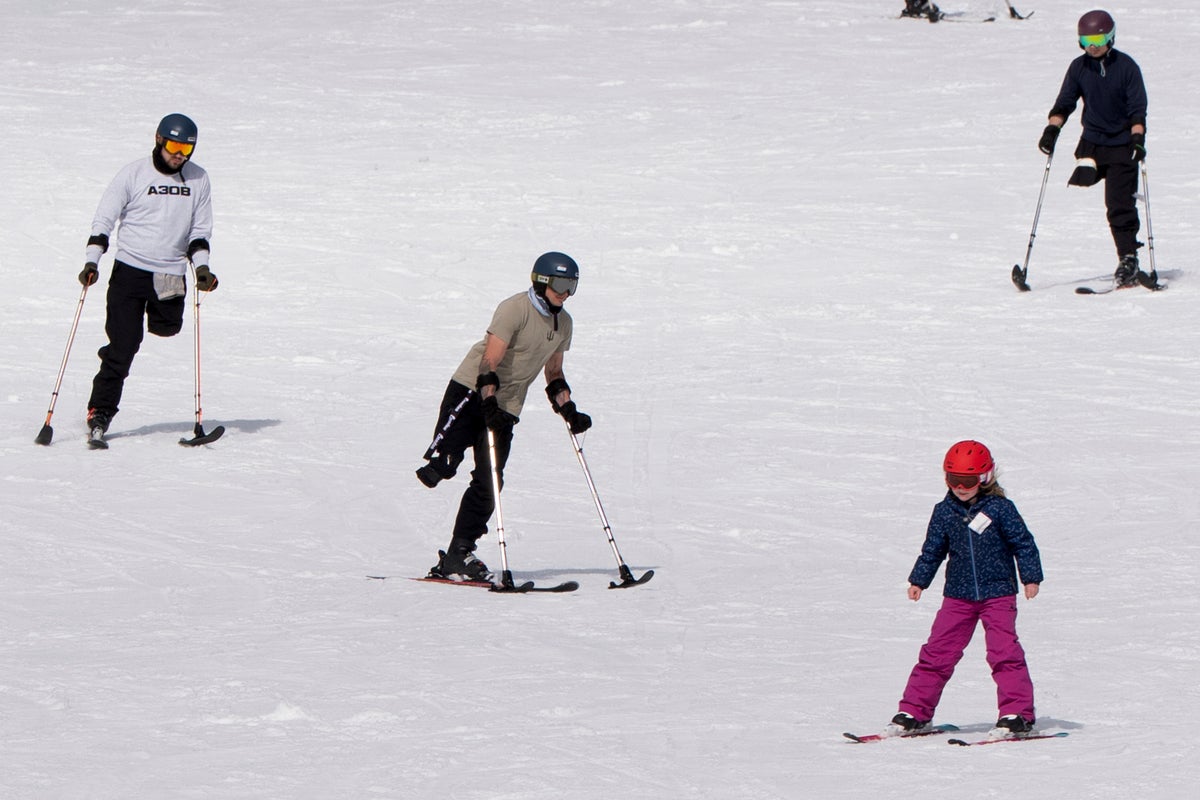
627 578
1012 12
199 436
47 433
1020 274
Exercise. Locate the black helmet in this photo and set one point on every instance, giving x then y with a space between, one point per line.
177 128
556 270
1097 23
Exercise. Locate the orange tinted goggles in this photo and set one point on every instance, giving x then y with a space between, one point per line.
185 148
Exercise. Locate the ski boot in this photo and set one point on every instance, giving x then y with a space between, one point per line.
1127 272
905 724
1012 725
97 422
458 563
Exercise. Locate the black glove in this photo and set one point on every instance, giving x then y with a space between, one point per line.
90 274
495 417
1049 137
205 280
1137 147
578 420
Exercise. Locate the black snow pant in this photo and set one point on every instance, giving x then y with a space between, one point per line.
131 298
1120 175
460 426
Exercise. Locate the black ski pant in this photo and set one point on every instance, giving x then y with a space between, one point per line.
460 426
131 299
1120 175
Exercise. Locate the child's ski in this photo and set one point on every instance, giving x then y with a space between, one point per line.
879 737
1020 737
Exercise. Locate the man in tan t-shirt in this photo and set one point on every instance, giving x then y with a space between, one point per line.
528 334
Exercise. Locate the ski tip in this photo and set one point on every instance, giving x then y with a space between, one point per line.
1084 290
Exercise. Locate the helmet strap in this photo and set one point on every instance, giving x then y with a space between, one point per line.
160 164
537 295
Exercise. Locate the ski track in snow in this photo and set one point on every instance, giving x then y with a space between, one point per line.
795 223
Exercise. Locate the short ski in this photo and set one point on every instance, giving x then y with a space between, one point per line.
879 737
203 438
1020 737
96 440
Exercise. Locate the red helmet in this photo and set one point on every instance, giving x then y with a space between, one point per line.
970 457
1097 21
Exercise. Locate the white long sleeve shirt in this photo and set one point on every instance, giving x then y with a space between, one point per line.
159 216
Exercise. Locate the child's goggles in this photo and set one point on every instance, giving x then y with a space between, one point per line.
1096 39
961 481
179 147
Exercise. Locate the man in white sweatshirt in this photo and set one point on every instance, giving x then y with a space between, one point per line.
163 206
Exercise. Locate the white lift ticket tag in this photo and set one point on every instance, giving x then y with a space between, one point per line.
980 522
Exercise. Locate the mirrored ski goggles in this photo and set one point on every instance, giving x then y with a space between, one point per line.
185 148
961 481
565 286
1096 39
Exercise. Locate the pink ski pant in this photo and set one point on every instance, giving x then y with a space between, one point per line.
952 630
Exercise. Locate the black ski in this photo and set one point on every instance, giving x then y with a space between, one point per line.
517 588
96 440
203 438
1016 737
1147 280
953 16
958 17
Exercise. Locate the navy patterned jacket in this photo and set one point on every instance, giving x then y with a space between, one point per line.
983 539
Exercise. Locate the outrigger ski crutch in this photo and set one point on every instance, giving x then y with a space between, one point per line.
1019 274
47 433
627 578
1150 281
506 579
199 437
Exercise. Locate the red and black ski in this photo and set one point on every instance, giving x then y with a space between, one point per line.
879 737
1019 737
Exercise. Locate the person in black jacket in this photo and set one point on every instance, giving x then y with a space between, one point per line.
1114 131
982 534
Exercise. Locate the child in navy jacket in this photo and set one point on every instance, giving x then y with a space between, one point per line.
982 534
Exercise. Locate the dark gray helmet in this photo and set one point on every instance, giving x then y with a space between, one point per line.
177 128
556 270
1097 21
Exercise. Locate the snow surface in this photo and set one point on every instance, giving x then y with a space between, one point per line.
795 221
